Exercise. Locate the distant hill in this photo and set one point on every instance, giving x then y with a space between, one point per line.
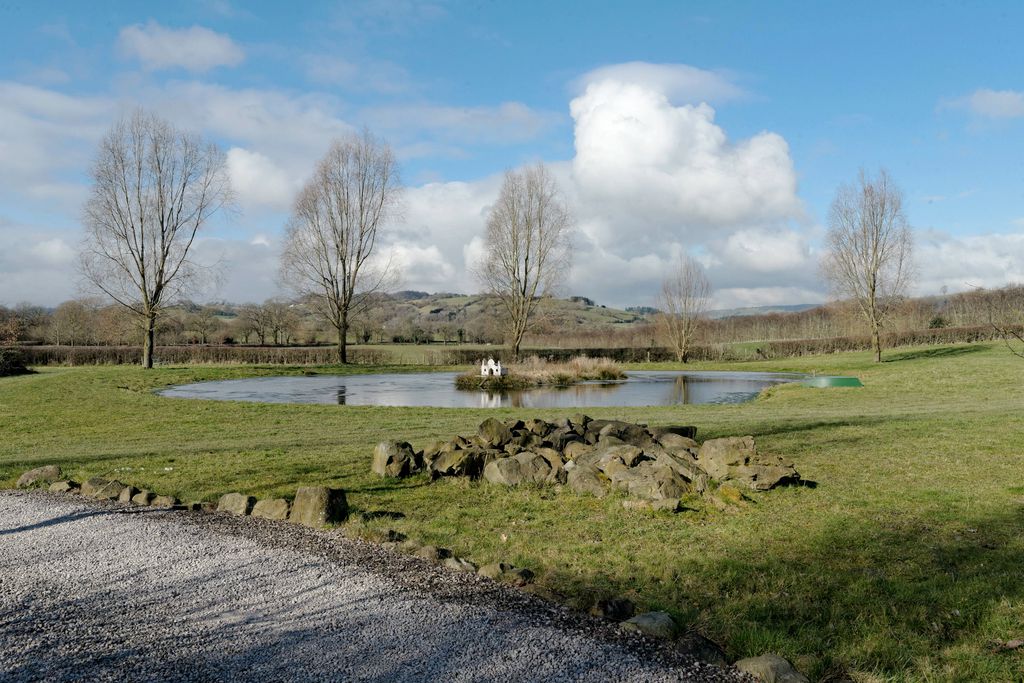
758 310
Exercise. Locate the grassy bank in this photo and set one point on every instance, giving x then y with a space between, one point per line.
904 563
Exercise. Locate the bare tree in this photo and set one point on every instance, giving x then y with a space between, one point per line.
1006 316
870 246
336 224
684 301
154 188
527 250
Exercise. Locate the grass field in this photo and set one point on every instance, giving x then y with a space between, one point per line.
906 562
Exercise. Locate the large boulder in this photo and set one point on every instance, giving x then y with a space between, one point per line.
102 488
686 431
762 477
396 459
236 504
494 433
616 609
679 445
164 502
588 479
657 624
271 508
529 467
467 462
45 475
627 454
771 669
717 456
317 506
650 481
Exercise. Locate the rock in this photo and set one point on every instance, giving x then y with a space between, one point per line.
102 489
494 433
650 481
396 459
771 669
588 479
143 497
271 508
688 432
318 506
45 475
716 456
432 553
538 427
657 624
65 486
458 463
526 468
575 449
127 493
236 504
626 454
164 502
685 468
699 647
616 609
677 444
506 573
758 477
459 564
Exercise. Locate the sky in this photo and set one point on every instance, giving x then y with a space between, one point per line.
720 130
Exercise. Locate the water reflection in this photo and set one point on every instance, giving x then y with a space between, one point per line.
641 388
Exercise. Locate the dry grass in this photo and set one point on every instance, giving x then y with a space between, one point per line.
535 371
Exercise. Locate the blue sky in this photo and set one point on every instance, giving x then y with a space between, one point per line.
718 129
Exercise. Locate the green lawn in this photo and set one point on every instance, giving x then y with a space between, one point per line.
905 562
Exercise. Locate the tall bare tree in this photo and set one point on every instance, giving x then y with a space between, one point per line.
527 249
870 249
153 189
684 301
335 228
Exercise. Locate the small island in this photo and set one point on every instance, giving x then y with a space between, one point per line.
536 372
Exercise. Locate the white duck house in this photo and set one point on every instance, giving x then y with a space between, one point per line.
492 368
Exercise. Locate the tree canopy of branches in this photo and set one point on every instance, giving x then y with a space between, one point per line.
527 249
336 225
870 249
153 189
684 301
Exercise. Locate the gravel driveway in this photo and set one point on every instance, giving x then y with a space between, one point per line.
98 591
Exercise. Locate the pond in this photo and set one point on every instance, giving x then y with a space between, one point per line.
437 389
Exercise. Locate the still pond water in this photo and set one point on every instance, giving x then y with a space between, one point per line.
437 389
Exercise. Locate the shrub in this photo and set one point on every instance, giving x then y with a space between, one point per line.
12 362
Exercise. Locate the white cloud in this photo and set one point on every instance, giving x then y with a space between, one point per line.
680 83
963 262
258 182
195 49
671 170
54 252
993 104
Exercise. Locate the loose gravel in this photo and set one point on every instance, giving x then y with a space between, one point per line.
93 591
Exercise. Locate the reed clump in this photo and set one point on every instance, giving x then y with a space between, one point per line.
535 372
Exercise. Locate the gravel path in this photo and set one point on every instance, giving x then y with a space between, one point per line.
99 591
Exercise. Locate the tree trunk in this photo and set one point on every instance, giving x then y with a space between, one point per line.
343 341
876 343
148 341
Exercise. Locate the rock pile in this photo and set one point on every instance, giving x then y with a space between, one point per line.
658 465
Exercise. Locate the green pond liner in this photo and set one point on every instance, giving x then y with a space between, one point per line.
825 382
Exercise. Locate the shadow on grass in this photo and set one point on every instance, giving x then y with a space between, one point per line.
867 595
939 352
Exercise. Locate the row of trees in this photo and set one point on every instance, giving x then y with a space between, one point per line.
155 187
